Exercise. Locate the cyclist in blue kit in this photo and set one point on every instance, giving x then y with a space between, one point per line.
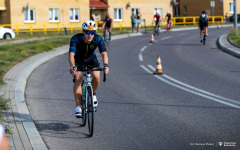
82 51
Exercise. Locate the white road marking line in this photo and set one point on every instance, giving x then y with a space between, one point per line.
196 89
188 90
150 44
166 37
140 57
143 48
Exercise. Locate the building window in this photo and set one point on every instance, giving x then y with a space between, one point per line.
231 7
176 11
29 15
74 14
185 9
135 10
53 15
159 11
117 14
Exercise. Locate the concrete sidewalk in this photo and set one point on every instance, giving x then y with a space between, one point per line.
25 134
227 46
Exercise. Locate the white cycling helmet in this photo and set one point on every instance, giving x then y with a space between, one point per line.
168 12
89 25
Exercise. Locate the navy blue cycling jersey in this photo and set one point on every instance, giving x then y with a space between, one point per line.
83 50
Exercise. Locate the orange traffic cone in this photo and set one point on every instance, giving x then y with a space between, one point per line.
158 66
152 39
218 26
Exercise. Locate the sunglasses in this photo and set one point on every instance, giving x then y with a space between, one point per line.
89 32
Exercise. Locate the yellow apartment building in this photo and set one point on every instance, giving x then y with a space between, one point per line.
121 10
195 7
26 12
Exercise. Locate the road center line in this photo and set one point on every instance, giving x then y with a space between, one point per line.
143 48
189 90
140 57
196 89
166 37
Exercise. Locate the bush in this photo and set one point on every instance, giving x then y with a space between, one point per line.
4 106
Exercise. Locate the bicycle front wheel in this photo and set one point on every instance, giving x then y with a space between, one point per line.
83 106
90 111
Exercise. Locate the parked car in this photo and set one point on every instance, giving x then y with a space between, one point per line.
6 33
231 18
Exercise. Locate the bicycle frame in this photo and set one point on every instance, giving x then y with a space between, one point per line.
87 83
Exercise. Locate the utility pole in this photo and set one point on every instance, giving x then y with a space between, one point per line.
235 15
212 4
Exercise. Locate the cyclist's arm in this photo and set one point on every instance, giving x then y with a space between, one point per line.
71 62
105 60
103 25
111 25
153 19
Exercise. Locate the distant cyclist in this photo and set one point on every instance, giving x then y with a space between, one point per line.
157 18
203 22
82 47
107 24
169 20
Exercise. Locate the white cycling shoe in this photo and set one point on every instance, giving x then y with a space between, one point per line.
95 102
78 112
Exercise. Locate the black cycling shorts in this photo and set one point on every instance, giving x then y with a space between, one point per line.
92 61
202 25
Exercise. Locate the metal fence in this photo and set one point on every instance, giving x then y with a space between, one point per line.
31 28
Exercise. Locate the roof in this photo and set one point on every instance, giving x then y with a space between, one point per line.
98 4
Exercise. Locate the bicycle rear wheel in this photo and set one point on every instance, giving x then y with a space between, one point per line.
90 111
204 38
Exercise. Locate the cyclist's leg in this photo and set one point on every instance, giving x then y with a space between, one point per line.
104 33
201 30
110 33
96 80
77 89
206 29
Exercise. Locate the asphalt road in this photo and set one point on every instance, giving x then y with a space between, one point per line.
194 105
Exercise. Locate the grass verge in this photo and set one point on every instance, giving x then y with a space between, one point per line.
234 36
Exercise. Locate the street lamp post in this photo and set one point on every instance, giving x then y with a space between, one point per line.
235 14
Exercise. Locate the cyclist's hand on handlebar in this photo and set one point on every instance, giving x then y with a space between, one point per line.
73 70
105 69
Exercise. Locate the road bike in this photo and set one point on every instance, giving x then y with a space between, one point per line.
106 38
156 30
204 36
87 104
168 28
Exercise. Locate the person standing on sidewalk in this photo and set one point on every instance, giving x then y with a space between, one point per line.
139 23
133 20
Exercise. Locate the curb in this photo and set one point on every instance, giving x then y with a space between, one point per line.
34 137
225 48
